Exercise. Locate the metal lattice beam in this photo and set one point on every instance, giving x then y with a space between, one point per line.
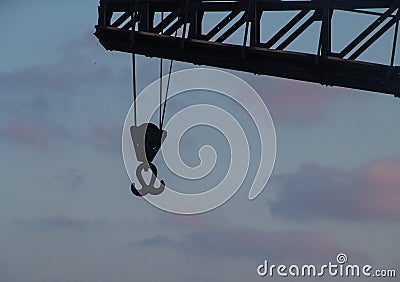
148 35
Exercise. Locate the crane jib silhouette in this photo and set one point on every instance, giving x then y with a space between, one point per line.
133 26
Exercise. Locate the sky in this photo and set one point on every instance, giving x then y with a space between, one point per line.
66 211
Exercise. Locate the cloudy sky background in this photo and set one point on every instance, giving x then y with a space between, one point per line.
66 210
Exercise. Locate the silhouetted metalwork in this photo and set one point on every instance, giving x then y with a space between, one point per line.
153 37
147 139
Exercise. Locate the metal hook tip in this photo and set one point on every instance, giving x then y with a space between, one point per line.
135 191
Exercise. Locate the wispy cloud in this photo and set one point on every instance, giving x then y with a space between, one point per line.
55 91
253 243
26 133
44 101
59 223
35 133
65 76
371 192
54 223
293 102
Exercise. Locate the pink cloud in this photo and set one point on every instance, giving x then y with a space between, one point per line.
27 133
370 192
385 205
382 179
385 173
293 102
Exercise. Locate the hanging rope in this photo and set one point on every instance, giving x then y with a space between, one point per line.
166 93
161 85
171 63
167 89
396 32
134 77
134 85
161 75
246 31
185 19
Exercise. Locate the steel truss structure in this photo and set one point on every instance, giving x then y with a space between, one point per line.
136 26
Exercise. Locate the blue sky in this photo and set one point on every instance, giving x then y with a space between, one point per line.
66 210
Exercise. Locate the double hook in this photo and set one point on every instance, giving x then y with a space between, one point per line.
147 188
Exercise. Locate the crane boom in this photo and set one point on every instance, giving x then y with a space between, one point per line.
134 26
